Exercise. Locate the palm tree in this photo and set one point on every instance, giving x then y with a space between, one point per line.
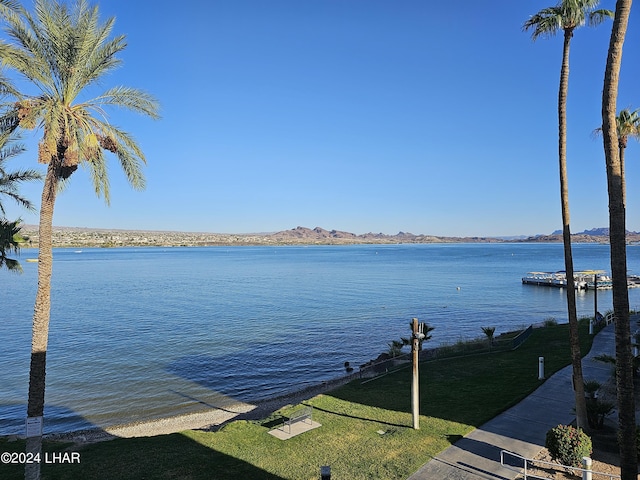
425 329
567 15
10 241
64 53
618 246
10 181
10 238
489 333
627 125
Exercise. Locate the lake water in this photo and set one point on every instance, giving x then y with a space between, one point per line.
142 333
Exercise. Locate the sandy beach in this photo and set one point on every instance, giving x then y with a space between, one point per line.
211 419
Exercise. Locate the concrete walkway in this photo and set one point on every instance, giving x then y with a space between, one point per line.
521 429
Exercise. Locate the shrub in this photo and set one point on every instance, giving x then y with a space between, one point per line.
597 410
395 348
550 322
567 445
591 387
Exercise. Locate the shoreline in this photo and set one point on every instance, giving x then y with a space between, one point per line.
210 420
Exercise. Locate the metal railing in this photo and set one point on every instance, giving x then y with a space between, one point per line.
609 318
522 336
528 463
462 348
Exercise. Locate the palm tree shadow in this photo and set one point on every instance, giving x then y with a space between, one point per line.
360 418
103 454
196 461
202 402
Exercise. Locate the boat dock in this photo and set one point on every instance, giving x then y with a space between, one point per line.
583 280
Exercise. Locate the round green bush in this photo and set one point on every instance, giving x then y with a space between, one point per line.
567 445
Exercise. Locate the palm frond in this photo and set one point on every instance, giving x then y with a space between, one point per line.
9 122
10 151
546 23
29 54
99 60
7 88
130 98
88 36
627 125
99 175
9 6
598 16
10 181
129 154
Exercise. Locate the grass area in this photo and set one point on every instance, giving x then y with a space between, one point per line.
456 395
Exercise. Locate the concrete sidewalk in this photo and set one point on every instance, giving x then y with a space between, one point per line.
521 429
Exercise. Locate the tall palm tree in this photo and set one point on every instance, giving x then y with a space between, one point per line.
627 126
618 246
566 16
9 182
64 53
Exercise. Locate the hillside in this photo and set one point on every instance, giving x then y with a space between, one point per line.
594 235
91 237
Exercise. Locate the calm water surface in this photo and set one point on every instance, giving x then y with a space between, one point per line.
142 333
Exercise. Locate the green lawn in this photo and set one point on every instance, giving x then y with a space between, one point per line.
456 395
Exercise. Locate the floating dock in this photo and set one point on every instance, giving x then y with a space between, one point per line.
583 280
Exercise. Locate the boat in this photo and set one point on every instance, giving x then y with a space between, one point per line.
595 279
546 279
633 281
32 260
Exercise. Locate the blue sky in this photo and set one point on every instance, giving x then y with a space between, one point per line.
356 115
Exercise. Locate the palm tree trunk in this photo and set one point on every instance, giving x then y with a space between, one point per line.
621 148
574 339
41 315
617 240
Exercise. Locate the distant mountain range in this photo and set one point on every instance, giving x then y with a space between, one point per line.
595 232
320 235
77 237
